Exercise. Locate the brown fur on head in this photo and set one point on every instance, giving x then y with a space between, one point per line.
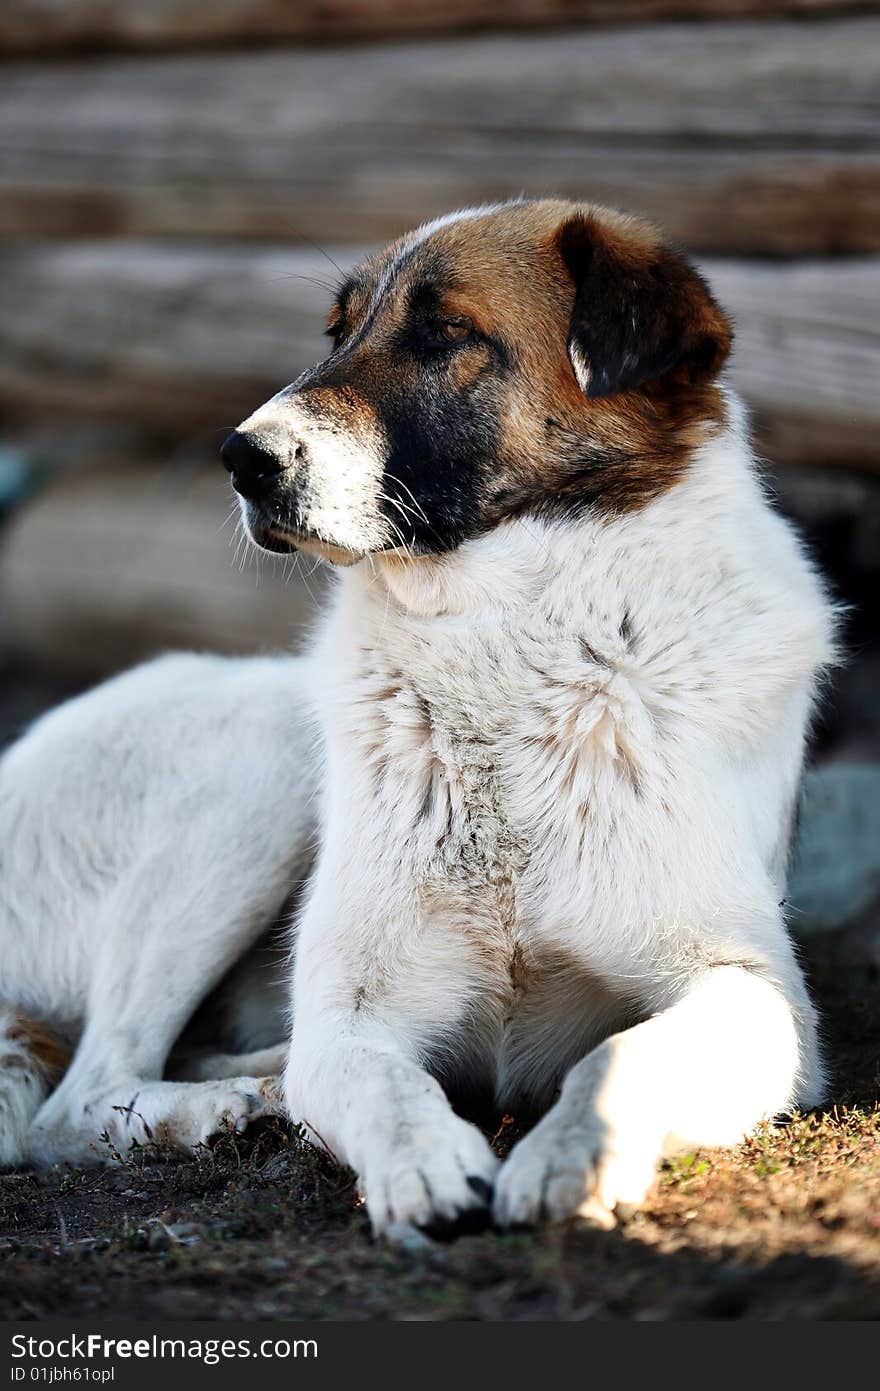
538 356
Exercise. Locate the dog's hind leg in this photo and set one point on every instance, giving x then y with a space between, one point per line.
178 1115
32 1059
166 941
211 1067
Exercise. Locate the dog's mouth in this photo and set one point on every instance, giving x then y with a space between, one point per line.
269 534
270 538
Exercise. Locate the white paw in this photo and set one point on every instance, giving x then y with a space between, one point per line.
436 1177
180 1114
585 1170
200 1110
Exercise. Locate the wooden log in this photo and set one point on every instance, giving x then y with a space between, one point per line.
736 137
177 339
807 357
110 567
34 26
187 341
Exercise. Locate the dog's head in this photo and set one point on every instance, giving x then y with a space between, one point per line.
537 357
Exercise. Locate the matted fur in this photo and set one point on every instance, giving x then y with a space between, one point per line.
562 686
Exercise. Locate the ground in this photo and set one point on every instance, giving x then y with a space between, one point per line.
785 1226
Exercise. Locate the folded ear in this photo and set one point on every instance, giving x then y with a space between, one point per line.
641 311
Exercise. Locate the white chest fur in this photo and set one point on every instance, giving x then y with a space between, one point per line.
562 764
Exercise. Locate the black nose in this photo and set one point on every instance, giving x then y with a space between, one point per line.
252 467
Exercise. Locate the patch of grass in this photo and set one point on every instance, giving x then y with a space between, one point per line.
682 1168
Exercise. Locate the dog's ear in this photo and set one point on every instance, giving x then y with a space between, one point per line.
641 311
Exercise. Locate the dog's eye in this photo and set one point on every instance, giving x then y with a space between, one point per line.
452 330
336 333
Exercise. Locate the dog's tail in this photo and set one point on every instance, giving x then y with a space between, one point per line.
31 1062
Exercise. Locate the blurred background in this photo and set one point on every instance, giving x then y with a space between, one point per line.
180 181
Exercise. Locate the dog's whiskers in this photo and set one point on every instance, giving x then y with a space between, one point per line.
419 510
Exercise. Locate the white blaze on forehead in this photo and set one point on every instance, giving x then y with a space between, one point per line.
416 238
395 261
428 229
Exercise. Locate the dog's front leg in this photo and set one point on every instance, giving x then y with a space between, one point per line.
418 1163
704 1072
354 1078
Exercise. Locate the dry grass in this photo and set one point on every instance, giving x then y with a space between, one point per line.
786 1226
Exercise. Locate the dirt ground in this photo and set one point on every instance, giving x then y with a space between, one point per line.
785 1227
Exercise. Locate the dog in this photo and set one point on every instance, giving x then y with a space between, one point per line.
528 796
